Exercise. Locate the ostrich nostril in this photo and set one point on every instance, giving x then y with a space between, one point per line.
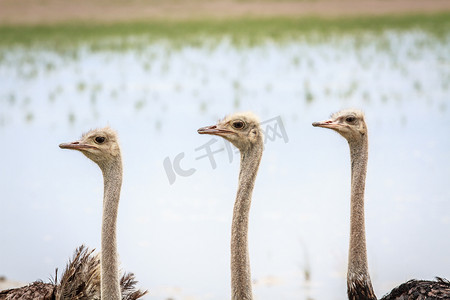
206 129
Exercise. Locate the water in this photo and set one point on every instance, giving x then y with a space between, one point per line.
174 232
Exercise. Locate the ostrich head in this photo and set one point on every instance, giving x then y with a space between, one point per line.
241 129
349 123
99 145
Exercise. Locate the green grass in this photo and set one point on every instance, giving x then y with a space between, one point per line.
248 31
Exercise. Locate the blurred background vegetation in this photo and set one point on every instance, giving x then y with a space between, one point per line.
58 23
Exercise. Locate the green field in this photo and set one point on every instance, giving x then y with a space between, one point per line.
241 31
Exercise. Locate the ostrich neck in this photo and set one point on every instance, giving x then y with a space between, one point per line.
112 176
241 284
358 279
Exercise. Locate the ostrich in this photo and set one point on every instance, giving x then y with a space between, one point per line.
102 147
244 132
352 126
80 280
86 275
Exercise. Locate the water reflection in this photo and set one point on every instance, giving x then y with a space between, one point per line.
176 237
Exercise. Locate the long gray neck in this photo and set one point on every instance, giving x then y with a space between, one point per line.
112 178
241 284
359 285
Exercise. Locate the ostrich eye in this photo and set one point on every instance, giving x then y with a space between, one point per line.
350 119
238 124
99 139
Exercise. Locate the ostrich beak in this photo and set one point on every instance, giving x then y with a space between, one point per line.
76 146
213 129
327 124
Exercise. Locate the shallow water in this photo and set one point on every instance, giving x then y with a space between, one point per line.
174 230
